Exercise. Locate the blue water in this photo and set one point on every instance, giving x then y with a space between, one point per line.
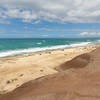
10 47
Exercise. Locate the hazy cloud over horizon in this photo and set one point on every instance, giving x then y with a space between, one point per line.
90 34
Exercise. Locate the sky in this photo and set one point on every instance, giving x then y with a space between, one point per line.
49 18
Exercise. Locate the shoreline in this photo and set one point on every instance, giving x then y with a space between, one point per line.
47 50
17 70
42 49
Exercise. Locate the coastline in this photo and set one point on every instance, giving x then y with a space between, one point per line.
15 52
17 70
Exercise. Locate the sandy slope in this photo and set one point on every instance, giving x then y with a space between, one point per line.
78 81
14 71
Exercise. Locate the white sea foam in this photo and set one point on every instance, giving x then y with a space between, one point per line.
39 43
32 50
80 44
98 40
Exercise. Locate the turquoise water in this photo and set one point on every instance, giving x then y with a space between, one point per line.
18 46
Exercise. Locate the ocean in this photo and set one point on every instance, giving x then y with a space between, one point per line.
10 47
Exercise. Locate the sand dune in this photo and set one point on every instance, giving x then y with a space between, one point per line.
77 62
79 79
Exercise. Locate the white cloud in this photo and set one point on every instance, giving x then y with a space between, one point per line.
36 22
84 34
44 35
62 11
91 34
25 15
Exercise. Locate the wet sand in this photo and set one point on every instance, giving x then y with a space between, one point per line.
17 70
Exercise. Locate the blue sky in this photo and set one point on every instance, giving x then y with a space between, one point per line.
49 18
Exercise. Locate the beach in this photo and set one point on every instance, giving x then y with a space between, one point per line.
61 79
17 70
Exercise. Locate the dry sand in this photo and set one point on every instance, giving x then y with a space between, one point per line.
14 71
78 79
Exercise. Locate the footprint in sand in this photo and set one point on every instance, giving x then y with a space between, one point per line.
21 75
8 82
41 70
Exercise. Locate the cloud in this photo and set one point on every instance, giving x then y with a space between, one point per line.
61 11
87 34
44 35
84 34
2 21
25 15
66 29
36 22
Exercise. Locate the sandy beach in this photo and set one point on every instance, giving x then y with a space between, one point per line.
17 70
76 78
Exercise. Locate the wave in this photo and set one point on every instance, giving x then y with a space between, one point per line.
98 41
39 43
32 50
